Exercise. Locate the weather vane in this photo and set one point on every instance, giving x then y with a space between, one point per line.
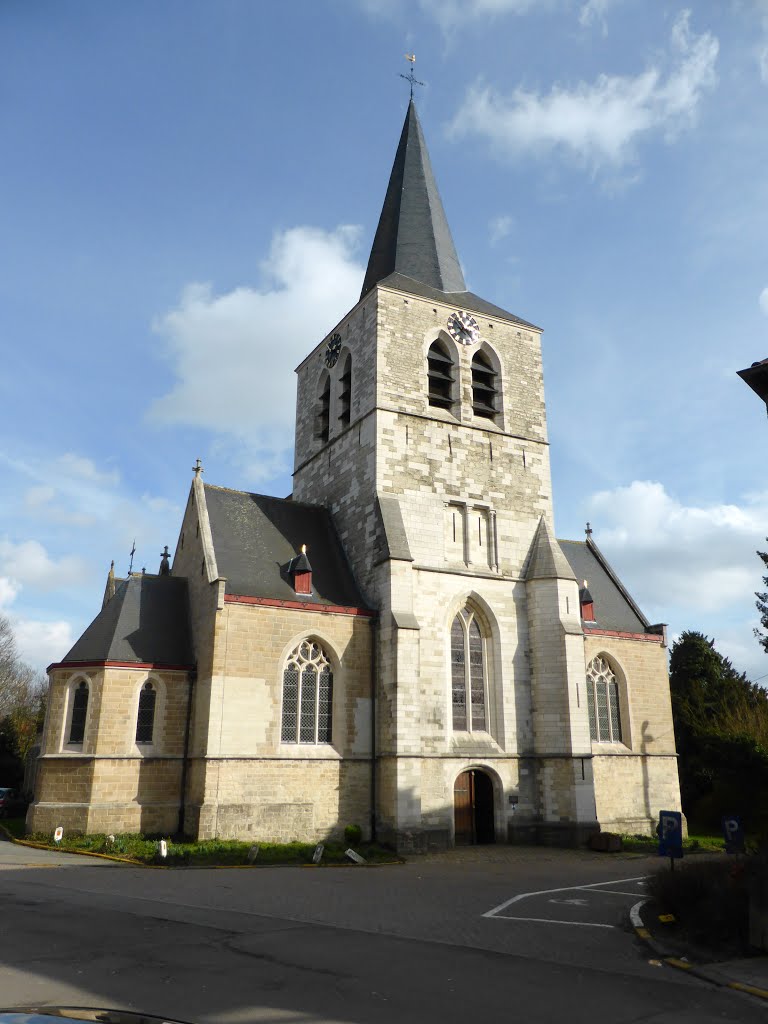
410 77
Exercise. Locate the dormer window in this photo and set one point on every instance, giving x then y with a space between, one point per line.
345 393
440 376
587 604
301 572
484 389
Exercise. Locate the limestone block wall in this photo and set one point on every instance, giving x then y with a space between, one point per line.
250 783
110 782
638 777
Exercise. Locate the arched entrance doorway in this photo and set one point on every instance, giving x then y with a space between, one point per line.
473 808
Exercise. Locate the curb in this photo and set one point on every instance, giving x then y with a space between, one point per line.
699 970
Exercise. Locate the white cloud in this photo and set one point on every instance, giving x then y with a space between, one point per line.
450 14
233 354
699 558
8 591
593 13
28 564
500 227
598 124
40 643
763 300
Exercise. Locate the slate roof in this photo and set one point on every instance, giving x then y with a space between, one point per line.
146 621
255 538
614 608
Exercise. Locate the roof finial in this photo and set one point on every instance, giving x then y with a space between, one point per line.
197 469
410 77
165 565
588 530
303 549
133 552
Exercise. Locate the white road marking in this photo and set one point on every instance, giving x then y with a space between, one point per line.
562 889
548 920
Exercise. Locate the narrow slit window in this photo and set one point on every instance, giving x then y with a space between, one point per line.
79 713
324 414
145 720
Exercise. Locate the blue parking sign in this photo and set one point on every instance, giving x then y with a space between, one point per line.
733 833
670 833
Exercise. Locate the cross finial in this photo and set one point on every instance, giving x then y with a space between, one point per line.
165 567
588 530
410 77
133 552
197 469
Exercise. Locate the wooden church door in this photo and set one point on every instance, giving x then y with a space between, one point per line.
473 808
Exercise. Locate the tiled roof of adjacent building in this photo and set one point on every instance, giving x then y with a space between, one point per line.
147 621
614 608
255 537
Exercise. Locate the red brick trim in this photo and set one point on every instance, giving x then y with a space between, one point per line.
121 664
651 638
302 606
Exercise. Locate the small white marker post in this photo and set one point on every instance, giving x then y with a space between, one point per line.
58 835
354 856
163 848
317 856
253 853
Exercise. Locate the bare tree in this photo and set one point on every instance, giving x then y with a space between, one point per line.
22 694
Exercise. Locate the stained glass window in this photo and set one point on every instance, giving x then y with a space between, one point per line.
468 673
145 720
603 702
307 696
79 713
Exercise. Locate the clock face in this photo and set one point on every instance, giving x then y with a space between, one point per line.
463 328
332 352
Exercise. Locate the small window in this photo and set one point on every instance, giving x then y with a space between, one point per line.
79 713
440 376
484 389
307 696
324 413
345 393
603 702
145 720
468 674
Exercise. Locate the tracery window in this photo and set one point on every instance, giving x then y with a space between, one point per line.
603 702
145 720
79 713
484 389
307 695
468 673
440 376
345 393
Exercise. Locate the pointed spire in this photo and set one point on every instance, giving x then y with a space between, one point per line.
413 237
547 560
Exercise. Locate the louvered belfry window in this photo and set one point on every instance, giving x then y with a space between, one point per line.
603 702
345 393
484 389
307 695
468 674
79 713
145 720
440 376
324 413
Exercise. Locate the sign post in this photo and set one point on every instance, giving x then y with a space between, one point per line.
670 833
733 833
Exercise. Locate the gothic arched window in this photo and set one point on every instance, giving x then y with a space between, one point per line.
603 702
440 376
307 695
484 389
145 719
345 393
79 713
468 673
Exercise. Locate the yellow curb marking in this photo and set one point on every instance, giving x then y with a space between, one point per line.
674 962
751 989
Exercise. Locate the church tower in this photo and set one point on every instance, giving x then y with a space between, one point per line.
421 425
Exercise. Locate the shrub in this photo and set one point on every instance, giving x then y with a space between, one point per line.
353 834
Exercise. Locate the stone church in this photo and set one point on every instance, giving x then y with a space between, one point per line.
402 643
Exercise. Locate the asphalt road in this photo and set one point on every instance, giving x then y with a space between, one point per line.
498 934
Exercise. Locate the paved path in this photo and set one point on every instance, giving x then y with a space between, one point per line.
420 942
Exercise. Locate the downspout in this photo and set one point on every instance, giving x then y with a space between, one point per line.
183 783
374 689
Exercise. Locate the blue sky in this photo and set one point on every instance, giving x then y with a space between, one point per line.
188 193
